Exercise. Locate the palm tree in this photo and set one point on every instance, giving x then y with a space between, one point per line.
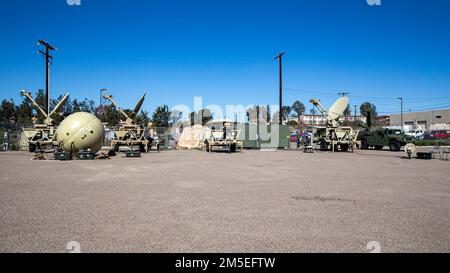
286 112
369 111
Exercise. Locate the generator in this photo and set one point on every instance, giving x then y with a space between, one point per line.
63 156
85 155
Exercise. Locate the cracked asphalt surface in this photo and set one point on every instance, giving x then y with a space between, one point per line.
192 201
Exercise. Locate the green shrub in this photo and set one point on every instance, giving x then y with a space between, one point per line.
432 142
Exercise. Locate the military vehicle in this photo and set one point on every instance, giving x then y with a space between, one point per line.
333 136
128 134
80 132
224 135
41 137
395 139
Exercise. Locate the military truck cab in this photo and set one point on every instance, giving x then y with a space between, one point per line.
395 139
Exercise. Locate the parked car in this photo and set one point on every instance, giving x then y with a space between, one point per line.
417 134
294 136
437 135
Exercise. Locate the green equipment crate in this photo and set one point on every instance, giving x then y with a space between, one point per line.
133 154
86 155
270 136
425 156
63 156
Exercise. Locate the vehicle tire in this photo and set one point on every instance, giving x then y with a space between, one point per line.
364 145
394 146
233 148
32 148
378 147
344 147
323 146
142 148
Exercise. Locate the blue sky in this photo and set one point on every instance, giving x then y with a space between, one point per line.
223 50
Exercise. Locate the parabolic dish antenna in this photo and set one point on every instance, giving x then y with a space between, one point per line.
337 110
411 148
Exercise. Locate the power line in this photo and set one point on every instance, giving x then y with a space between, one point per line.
326 93
427 106
418 110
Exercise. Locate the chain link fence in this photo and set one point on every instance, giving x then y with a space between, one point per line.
11 134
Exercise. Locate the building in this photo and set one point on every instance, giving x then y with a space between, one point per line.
383 121
319 120
431 120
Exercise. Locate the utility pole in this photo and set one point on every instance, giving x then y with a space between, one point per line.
280 62
354 119
48 59
344 94
401 111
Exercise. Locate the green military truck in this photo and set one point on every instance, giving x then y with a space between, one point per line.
393 138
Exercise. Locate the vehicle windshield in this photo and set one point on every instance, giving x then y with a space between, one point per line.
395 132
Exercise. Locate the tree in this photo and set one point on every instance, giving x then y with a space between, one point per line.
259 114
299 108
40 100
254 114
65 110
348 111
175 117
24 112
76 106
161 118
275 117
87 106
313 111
269 116
262 114
286 112
369 111
203 115
142 118
8 111
110 115
292 124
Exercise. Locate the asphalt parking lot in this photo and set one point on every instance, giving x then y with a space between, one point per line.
254 201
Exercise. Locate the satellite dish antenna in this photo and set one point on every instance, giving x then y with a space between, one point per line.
337 110
410 149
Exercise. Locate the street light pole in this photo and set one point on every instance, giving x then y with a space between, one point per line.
280 62
401 111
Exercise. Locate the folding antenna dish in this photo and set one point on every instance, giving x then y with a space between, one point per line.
337 109
335 112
